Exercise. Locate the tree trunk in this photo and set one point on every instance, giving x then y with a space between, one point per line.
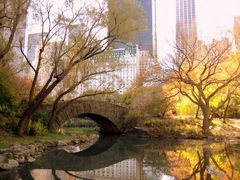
33 106
50 122
226 110
206 121
22 125
206 162
197 113
25 118
53 115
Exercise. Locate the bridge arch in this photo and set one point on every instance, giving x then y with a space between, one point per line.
110 118
106 125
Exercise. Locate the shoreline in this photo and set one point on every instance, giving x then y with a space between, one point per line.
17 155
147 132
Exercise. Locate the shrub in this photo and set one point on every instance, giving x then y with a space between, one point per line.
8 100
8 123
8 92
36 128
41 116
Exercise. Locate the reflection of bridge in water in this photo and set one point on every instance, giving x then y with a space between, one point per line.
128 158
105 152
124 155
129 169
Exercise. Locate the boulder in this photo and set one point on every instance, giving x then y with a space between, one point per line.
20 159
72 149
3 150
9 155
30 159
75 141
50 144
82 138
63 143
11 163
17 148
3 158
39 146
32 147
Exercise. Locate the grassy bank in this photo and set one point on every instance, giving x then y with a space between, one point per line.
69 133
192 127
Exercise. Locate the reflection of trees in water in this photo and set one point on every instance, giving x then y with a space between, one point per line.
156 159
195 160
54 174
211 163
156 156
181 159
202 165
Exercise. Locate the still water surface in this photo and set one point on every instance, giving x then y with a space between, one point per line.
128 158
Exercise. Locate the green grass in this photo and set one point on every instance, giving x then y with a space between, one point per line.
70 133
76 130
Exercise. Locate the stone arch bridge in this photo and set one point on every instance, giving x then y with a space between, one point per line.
109 117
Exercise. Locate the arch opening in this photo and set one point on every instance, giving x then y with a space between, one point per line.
104 124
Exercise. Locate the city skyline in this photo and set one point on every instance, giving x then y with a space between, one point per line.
215 18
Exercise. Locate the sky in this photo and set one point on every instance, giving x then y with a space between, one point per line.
214 19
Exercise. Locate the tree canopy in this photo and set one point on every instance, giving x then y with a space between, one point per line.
72 37
203 73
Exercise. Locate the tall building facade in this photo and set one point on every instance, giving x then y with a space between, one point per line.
147 40
186 26
143 52
33 42
135 68
123 76
237 31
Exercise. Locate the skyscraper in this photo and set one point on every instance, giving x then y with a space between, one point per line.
186 26
237 31
33 42
147 40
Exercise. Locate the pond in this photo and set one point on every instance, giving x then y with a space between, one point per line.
130 158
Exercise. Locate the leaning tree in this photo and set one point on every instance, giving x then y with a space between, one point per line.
72 35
